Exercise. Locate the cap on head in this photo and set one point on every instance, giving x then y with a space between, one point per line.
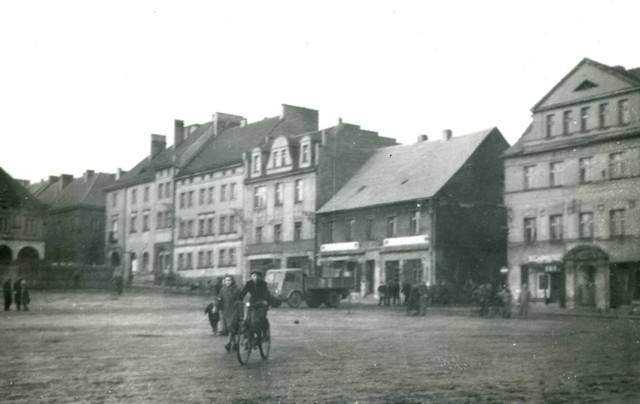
256 272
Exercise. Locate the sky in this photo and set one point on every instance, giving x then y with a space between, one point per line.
83 84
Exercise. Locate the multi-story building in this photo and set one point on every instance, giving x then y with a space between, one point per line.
140 206
289 176
75 216
21 222
430 211
572 189
210 221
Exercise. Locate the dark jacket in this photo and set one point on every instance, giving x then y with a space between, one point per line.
258 291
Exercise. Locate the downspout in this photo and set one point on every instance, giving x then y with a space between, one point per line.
433 203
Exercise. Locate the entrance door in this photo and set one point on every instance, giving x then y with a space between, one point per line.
370 271
557 288
587 285
391 271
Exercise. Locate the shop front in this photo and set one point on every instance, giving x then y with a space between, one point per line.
545 277
587 277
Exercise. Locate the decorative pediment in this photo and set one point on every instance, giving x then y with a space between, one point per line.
586 85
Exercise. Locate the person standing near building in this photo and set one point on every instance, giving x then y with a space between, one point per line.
24 295
382 294
524 298
17 294
6 292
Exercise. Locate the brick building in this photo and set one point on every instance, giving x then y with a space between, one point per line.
21 222
430 211
572 191
75 216
289 176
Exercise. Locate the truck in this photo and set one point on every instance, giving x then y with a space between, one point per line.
294 286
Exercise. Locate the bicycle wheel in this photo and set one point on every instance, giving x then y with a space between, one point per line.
265 345
244 346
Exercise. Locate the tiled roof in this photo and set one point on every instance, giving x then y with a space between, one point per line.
405 172
14 195
78 192
227 148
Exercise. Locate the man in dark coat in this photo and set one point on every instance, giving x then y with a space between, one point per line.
6 292
230 303
257 288
17 294
24 295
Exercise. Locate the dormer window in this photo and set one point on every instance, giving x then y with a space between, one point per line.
305 153
283 156
275 158
256 163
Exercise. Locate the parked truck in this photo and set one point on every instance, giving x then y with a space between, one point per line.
294 286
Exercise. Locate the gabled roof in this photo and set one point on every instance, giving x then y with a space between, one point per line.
227 148
632 76
14 195
78 192
406 172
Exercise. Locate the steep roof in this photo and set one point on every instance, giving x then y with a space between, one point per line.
14 195
406 172
227 148
79 192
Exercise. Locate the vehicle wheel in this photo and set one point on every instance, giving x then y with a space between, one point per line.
265 346
244 347
333 300
294 299
276 303
314 302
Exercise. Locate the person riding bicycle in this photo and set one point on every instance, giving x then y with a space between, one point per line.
257 288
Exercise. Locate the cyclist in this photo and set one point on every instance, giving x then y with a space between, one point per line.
259 292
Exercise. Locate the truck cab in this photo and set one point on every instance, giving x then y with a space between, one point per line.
294 286
286 284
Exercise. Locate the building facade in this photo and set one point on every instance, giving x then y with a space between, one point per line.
22 231
75 216
572 191
288 178
427 212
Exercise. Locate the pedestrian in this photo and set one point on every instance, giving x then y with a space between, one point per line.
423 298
505 302
118 281
6 292
524 300
413 305
395 292
17 294
406 289
26 299
231 306
382 293
483 296
213 313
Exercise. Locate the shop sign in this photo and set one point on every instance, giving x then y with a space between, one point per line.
551 268
350 246
402 241
544 259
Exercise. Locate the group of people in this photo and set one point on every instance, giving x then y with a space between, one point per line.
17 294
500 302
227 306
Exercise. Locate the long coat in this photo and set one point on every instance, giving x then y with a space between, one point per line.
230 304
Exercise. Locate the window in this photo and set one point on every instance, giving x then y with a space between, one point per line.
585 170
210 195
190 199
114 202
603 110
145 195
391 226
201 227
190 224
202 196
297 231
160 220
200 259
555 227
529 176
584 119
298 190
189 260
348 229
275 158
160 191
549 123
278 196
616 222
283 157
167 190
168 219
530 229
232 224
258 197
369 228
232 256
258 234
132 223
586 225
616 165
183 198
256 163
114 228
277 233
145 220
232 192
555 174
223 192
414 222
223 225
566 122
29 226
134 196
623 112
305 153
222 258
210 225
180 261
209 259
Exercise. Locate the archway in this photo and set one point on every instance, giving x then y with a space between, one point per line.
5 254
145 262
587 277
28 253
114 259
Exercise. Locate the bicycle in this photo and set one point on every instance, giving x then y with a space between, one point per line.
252 335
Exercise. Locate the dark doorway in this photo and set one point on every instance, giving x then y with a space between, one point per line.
370 271
557 291
391 271
28 253
587 288
5 253
115 259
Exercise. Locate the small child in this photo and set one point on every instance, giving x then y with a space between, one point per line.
214 315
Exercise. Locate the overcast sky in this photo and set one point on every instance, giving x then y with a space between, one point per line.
83 84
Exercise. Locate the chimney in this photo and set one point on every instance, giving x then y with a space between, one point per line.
88 175
446 135
339 121
222 121
178 132
158 144
65 179
243 123
53 178
422 138
119 174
